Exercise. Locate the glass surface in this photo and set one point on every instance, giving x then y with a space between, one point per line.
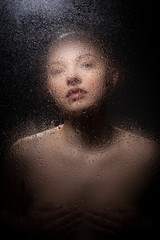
79 117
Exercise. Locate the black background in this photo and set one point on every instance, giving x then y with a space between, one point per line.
132 26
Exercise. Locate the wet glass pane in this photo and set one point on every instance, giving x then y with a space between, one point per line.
79 118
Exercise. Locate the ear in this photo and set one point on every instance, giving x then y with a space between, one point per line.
49 86
115 76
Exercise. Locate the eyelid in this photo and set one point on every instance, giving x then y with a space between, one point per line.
57 70
88 63
55 65
83 58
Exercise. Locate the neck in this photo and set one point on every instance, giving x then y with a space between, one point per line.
90 129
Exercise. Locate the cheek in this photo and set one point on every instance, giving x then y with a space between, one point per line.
97 81
54 88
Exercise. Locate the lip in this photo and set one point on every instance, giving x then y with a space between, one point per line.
74 93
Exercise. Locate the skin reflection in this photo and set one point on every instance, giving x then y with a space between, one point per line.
96 173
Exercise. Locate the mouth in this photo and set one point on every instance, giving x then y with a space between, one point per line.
75 93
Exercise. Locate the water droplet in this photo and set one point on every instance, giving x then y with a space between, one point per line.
77 131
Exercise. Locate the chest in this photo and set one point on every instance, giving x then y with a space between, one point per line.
86 180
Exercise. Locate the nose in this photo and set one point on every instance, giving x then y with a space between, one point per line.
73 77
73 80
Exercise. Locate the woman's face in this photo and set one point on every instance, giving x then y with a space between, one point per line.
77 75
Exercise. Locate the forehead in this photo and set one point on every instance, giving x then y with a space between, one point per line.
72 48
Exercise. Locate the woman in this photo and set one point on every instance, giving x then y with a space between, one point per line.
84 179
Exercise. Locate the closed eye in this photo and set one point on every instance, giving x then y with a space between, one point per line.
57 71
88 65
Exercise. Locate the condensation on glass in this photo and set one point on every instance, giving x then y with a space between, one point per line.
80 155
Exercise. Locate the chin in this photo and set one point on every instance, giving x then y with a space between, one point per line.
80 107
81 111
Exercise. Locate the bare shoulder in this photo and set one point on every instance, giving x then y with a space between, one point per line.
138 145
35 143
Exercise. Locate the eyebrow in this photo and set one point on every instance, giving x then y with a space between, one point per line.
85 55
78 58
56 62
